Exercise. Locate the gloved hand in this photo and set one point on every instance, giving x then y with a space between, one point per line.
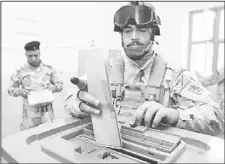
88 103
83 103
152 113
23 92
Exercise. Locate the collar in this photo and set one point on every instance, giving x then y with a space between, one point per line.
146 63
36 68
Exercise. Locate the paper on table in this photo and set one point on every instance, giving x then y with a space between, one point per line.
105 126
37 98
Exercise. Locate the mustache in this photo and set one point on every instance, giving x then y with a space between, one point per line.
135 43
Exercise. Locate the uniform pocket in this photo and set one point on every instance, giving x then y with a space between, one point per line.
26 81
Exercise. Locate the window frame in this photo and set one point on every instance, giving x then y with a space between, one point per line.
215 39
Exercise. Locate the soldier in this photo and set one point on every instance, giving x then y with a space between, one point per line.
161 94
34 76
216 82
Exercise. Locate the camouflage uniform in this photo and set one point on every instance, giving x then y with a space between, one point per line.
34 79
215 83
174 89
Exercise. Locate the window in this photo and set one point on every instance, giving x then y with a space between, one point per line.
221 33
220 61
206 40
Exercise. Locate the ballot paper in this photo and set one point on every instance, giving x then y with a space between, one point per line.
105 126
38 98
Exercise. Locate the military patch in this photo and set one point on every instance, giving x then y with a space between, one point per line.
196 89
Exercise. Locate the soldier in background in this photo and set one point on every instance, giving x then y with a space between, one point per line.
215 83
161 94
34 76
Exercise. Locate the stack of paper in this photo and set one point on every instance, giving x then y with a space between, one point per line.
38 98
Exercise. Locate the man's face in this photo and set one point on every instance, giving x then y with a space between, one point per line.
136 40
33 58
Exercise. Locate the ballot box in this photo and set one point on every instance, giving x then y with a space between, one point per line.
71 140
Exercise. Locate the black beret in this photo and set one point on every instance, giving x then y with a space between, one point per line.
32 46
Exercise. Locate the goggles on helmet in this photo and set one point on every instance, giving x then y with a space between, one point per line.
136 14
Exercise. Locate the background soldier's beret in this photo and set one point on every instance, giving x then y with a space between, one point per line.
32 46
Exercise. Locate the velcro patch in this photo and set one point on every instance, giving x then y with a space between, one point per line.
196 89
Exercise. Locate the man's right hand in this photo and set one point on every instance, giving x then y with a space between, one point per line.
23 92
88 103
83 100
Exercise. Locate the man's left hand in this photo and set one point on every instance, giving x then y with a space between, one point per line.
53 89
152 113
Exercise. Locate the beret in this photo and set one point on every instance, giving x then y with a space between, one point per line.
32 46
